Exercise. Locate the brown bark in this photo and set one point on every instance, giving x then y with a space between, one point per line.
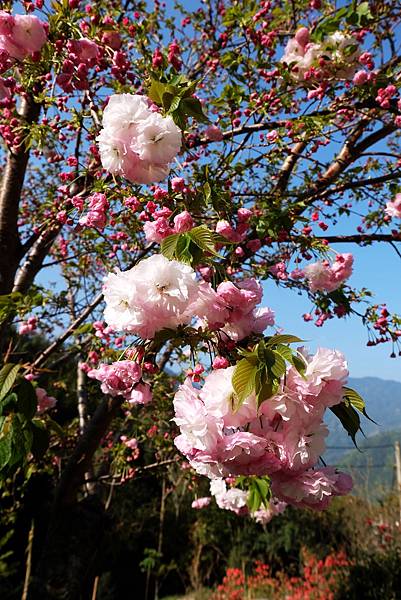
10 194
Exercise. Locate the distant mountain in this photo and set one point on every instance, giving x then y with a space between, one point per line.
383 405
372 466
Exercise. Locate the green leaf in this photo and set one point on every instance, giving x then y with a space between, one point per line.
285 352
203 238
278 368
182 251
54 426
168 245
243 379
207 191
263 386
19 444
348 417
193 108
27 400
8 375
299 364
5 442
352 397
282 339
259 493
156 91
8 402
175 103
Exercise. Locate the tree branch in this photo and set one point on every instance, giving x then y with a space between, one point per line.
34 260
10 194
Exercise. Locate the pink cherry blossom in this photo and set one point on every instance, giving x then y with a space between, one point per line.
264 515
156 231
45 402
312 489
119 378
322 276
393 208
141 394
21 35
135 141
232 498
200 503
213 133
183 222
154 294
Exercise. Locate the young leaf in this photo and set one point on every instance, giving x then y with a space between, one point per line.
168 245
349 418
203 238
156 91
27 401
193 108
8 375
352 397
282 339
299 364
278 368
243 379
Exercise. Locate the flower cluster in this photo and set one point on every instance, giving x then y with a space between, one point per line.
122 378
157 230
153 295
136 141
21 35
232 308
322 276
159 293
283 438
28 326
96 217
336 55
393 208
234 499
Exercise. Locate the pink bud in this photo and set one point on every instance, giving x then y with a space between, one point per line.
220 363
183 222
360 77
177 184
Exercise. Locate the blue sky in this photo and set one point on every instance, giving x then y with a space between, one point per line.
378 268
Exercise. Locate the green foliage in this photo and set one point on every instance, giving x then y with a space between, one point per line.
175 96
357 14
20 433
261 369
192 247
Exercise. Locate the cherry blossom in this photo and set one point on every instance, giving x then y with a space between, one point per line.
135 141
154 294
393 208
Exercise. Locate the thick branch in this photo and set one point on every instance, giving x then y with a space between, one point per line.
81 459
348 154
354 238
10 194
288 165
34 260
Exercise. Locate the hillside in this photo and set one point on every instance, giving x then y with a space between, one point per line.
383 405
372 466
